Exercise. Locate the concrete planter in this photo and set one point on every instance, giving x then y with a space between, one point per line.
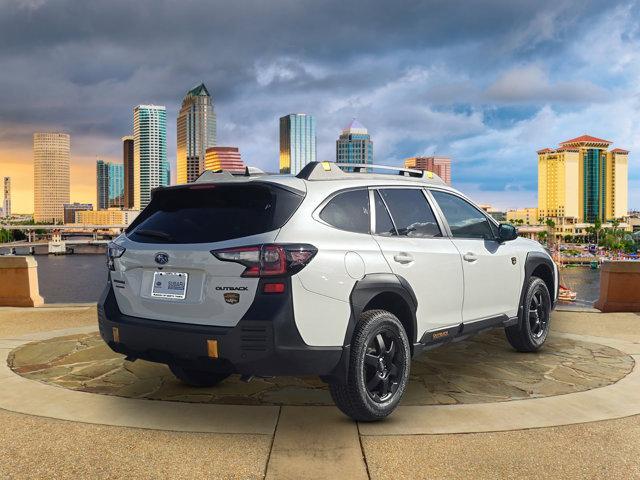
19 282
619 287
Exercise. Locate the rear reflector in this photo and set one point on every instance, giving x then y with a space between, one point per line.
212 348
273 288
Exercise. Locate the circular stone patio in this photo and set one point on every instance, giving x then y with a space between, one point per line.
480 370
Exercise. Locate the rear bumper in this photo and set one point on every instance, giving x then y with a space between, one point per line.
265 342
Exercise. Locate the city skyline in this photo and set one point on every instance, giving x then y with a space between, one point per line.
486 97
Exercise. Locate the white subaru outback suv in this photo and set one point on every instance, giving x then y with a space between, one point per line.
335 272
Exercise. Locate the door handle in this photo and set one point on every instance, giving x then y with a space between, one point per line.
403 258
470 257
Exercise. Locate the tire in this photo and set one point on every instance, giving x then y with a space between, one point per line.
378 371
197 378
532 329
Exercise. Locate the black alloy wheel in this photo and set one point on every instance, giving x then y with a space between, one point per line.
532 329
538 314
380 368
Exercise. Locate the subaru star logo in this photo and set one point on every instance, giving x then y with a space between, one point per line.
162 258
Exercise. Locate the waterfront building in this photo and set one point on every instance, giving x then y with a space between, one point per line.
354 145
224 158
297 142
109 185
51 158
528 216
127 162
150 165
111 216
6 204
196 131
441 166
499 215
70 210
582 180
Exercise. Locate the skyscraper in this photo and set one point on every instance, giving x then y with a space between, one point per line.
151 168
354 144
582 180
51 156
297 142
441 166
196 131
109 185
7 197
127 162
224 158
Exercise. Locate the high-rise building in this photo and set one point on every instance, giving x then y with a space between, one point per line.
196 131
441 166
224 158
581 179
354 145
150 166
127 162
297 142
110 185
51 158
7 197
70 210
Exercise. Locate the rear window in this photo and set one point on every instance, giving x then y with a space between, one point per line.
213 213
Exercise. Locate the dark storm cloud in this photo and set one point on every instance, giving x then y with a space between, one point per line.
418 73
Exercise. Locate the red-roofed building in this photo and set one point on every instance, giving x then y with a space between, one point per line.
583 181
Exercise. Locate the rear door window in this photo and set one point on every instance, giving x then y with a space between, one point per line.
411 212
348 211
213 213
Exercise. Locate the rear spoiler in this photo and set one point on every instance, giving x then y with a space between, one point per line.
209 176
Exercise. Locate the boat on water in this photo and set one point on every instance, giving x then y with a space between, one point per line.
566 294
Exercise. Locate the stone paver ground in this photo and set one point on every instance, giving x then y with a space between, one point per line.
483 369
36 447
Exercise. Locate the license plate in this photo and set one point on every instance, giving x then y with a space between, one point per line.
169 285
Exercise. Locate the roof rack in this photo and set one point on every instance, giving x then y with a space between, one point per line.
209 176
328 171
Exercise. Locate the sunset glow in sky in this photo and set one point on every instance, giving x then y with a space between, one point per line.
487 83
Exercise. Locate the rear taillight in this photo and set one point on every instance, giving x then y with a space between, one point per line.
113 251
269 260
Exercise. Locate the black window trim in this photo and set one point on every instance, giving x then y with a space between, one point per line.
442 225
316 213
461 197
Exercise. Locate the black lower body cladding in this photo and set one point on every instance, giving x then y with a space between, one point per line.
265 341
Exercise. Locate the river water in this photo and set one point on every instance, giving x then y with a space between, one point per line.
80 278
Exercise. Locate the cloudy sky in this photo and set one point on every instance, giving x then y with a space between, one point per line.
487 83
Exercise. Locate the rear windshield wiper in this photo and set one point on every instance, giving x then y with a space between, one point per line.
153 233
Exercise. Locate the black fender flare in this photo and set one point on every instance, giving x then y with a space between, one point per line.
533 261
372 285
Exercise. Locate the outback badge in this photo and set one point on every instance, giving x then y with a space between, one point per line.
232 297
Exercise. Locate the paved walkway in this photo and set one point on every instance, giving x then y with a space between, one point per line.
317 441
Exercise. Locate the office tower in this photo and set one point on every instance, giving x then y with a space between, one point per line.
196 131
51 157
354 145
441 166
110 185
224 158
582 180
70 210
7 197
127 162
297 142
151 169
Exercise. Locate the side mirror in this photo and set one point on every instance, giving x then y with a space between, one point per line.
507 232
